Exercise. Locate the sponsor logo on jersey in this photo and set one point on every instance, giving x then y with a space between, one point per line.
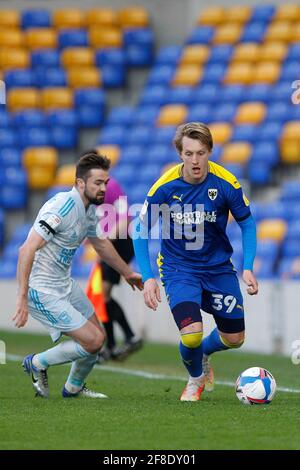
196 217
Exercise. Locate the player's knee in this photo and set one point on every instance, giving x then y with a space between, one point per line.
233 341
192 340
96 341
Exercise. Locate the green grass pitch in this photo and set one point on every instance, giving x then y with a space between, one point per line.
144 412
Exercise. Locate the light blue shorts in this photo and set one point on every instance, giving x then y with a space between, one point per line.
60 314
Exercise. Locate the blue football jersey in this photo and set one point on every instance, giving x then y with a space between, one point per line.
194 216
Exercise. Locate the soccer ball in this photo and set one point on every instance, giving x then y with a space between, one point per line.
255 386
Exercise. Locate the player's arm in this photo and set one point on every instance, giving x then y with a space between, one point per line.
25 260
108 253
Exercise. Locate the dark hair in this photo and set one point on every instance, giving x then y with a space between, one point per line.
194 130
90 160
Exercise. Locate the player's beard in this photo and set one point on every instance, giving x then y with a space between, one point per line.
97 201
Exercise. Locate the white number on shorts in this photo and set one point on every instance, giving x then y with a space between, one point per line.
229 301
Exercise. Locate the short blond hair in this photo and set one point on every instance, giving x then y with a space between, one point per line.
193 130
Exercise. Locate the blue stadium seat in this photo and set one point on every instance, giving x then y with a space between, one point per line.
72 38
10 157
282 91
159 153
139 44
270 130
260 92
221 54
201 35
293 52
168 55
142 36
10 252
13 176
164 135
280 111
269 210
254 31
216 153
89 96
89 116
290 70
19 78
245 132
263 12
116 135
124 173
45 58
154 95
13 197
113 76
111 56
233 93
294 113
133 154
290 190
5 118
146 114
291 248
8 269
56 189
285 267
149 173
291 209
236 169
50 77
138 193
35 18
259 173
121 116
224 112
161 75
264 268
214 73
207 93
200 112
140 135
20 232
265 152
293 231
180 95
63 117
8 138
267 249
34 137
28 118
63 137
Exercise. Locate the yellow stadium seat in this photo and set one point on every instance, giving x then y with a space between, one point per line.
68 18
172 115
43 157
266 72
246 52
290 150
23 98
279 31
239 73
40 178
287 11
273 51
101 17
296 32
212 16
41 38
187 75
9 19
13 58
221 132
236 152
11 37
195 54
133 17
250 113
238 14
110 151
77 56
65 175
271 229
89 254
100 38
84 77
291 130
56 98
227 34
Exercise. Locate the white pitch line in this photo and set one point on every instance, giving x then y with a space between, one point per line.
152 376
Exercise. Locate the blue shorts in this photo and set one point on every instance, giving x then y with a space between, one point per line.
217 292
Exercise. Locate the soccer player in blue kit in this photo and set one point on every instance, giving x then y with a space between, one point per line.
194 262
50 295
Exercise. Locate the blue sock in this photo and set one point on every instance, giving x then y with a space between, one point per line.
192 359
79 371
213 343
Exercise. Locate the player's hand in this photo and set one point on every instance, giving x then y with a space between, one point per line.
250 280
21 316
151 293
135 280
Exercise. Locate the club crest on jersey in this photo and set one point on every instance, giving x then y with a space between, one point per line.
212 193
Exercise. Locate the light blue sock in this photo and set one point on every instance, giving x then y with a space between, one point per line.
213 343
64 352
192 359
79 371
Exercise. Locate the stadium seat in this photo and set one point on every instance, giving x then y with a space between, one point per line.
139 135
295 37
42 157
293 231
146 114
290 150
155 95
212 16
77 57
270 130
45 58
41 38
224 112
263 268
101 17
8 269
35 18
65 175
213 73
206 93
132 154
62 117
19 78
23 98
266 72
290 70
172 115
14 58
250 113
56 98
9 18
72 38
28 118
246 52
168 55
113 76
227 34
291 249
10 157
233 93
34 137
194 54
239 74
290 191
245 132
84 77
237 169
64 137
5 118
181 95
200 112
11 37
201 35
8 138
121 115
265 152
236 152
50 77
221 53
279 111
291 130
238 14
101 38
68 18
110 56
263 13
133 17
254 32
110 151
159 153
113 135
90 116
161 75
288 11
221 132
279 31
259 92
187 75
272 51
272 229
40 178
91 96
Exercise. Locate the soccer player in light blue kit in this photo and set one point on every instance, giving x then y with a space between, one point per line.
194 264
46 290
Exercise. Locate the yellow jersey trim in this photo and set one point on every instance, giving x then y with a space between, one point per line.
221 172
170 175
